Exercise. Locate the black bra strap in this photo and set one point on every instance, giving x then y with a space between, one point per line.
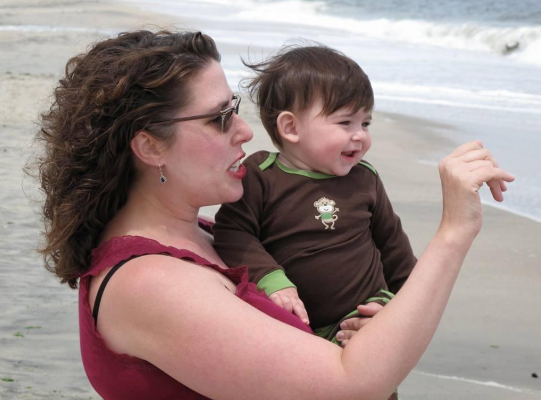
102 288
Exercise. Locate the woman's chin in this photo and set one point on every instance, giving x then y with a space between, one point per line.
232 194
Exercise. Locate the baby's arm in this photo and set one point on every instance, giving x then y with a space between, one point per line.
236 239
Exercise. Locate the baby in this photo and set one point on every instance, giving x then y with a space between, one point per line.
315 226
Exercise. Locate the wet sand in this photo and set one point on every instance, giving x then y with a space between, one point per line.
489 333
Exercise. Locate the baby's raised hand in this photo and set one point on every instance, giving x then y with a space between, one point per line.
289 300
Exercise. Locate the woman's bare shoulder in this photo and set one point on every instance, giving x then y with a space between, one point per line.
181 318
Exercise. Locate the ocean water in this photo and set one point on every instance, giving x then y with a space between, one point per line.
473 64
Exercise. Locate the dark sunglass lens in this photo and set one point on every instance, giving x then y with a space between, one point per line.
225 120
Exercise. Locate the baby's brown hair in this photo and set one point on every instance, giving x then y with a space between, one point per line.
294 78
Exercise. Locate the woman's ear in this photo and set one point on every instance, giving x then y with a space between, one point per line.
287 124
147 148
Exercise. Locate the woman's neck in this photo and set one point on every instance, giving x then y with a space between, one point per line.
145 215
170 224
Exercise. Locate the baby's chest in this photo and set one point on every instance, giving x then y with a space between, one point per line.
318 209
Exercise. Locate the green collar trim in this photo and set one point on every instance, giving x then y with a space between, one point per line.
273 158
268 162
371 168
308 174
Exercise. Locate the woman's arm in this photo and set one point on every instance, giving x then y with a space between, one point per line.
182 319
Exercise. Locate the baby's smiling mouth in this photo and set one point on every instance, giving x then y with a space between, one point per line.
349 154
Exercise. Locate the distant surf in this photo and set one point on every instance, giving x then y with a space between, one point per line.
473 65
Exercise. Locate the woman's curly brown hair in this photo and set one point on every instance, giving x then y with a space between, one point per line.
119 87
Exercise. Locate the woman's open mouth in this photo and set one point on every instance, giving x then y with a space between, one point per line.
235 167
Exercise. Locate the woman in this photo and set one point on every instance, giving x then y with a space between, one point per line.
144 132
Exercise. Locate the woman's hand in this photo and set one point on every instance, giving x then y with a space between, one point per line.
462 174
351 326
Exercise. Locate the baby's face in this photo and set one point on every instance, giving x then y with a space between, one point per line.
335 143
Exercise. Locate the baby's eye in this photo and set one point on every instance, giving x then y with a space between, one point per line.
366 124
345 123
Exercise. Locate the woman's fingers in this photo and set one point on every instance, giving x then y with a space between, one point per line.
370 309
481 158
466 147
477 158
462 173
492 176
477 154
351 326
473 165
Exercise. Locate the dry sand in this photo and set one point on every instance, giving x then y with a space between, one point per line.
489 342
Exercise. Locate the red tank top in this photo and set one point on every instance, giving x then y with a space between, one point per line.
119 376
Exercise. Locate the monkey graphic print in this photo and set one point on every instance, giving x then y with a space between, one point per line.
326 209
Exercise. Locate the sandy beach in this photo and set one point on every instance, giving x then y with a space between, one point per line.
489 342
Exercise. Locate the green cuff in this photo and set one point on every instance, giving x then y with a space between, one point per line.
274 281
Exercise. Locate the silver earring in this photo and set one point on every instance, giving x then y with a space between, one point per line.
163 179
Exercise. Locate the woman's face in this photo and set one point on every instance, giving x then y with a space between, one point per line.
202 165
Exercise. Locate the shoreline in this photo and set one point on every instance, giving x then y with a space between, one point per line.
135 15
44 360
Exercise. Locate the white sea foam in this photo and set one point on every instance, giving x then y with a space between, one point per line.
467 36
530 54
47 29
523 43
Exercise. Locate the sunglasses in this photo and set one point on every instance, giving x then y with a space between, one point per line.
224 114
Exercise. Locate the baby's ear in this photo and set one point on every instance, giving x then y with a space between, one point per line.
287 127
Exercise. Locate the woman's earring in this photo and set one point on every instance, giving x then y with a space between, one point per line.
163 179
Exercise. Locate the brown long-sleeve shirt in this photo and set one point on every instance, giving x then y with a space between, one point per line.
337 238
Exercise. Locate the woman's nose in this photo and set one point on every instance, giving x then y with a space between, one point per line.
243 133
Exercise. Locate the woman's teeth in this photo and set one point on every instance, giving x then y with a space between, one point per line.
235 167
